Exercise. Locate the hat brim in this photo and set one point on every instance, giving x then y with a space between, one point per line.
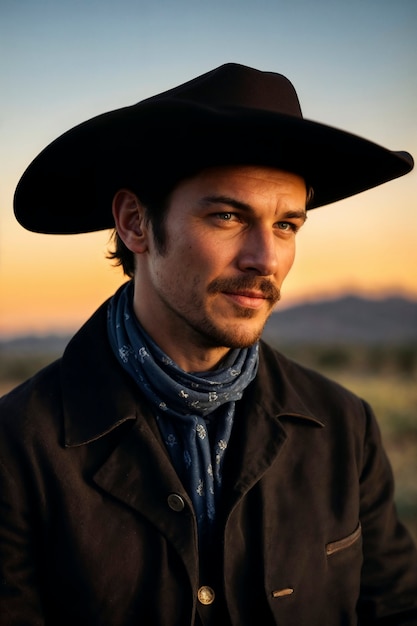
69 186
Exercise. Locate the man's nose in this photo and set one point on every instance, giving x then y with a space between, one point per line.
259 252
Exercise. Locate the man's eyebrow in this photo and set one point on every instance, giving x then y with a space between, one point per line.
229 200
243 206
300 214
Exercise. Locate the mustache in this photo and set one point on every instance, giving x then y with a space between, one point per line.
243 283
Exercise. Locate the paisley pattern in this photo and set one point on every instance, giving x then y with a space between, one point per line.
194 411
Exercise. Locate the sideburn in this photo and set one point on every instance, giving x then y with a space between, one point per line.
159 232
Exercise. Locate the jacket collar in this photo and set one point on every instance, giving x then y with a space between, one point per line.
281 388
98 395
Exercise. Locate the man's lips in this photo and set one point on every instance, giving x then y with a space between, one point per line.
247 291
249 299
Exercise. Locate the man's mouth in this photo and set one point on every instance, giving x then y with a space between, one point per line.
247 299
251 292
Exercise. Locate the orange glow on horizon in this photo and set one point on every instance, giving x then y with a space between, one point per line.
361 245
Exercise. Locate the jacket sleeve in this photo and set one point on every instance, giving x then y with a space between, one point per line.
19 599
389 575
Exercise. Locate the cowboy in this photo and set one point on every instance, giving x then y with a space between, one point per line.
171 468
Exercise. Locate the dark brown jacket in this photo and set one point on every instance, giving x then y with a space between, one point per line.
90 532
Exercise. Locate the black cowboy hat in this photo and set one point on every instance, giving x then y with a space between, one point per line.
230 115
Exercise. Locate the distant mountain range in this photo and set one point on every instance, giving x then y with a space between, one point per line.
349 319
34 345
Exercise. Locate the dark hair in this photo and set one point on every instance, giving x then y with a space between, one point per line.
121 255
156 205
310 196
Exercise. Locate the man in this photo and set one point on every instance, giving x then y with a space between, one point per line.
172 469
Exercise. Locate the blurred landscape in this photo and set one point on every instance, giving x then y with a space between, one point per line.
370 346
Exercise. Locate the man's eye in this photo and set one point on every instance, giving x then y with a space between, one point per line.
226 216
287 226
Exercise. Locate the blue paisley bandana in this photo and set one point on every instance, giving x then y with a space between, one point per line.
194 411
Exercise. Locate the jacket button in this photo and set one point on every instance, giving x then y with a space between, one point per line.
175 502
206 595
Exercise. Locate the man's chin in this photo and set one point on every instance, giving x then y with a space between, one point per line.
235 336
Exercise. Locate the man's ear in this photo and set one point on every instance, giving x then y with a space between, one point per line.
128 213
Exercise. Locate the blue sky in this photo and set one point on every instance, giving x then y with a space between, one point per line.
65 60
354 65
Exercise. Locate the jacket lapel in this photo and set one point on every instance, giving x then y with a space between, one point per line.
98 397
259 433
139 474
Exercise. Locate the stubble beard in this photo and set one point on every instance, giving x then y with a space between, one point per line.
236 335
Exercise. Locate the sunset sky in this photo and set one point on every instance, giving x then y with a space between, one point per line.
354 65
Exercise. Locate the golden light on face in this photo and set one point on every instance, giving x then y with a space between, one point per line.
230 244
364 245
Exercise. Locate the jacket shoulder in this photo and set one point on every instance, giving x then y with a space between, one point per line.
319 394
22 406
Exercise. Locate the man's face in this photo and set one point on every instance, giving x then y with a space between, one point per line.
230 242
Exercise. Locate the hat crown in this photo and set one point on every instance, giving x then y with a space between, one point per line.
234 85
231 115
